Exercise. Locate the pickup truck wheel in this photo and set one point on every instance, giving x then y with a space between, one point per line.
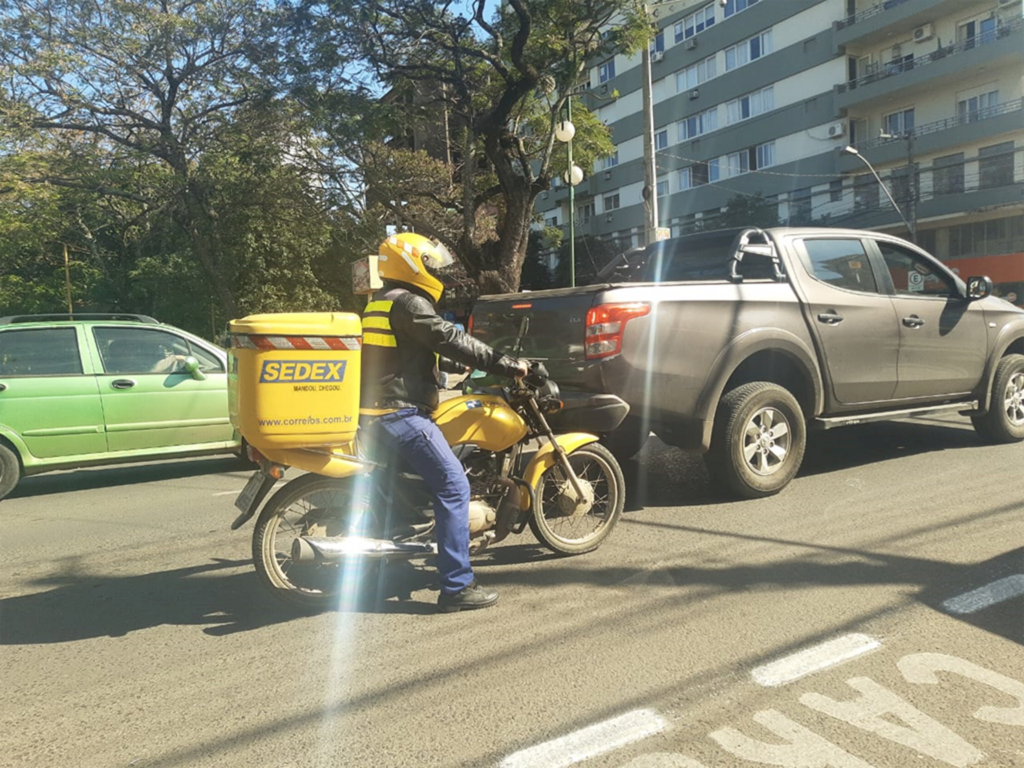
10 470
1004 422
758 441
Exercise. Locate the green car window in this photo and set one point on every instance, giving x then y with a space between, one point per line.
40 352
136 350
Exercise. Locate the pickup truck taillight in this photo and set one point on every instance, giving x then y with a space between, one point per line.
605 324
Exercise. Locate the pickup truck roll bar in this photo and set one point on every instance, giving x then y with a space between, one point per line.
742 246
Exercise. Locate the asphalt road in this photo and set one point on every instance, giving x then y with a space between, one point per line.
870 615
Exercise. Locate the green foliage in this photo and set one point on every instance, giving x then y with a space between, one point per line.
591 255
748 211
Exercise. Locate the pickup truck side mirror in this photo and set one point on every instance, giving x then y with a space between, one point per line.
979 287
191 365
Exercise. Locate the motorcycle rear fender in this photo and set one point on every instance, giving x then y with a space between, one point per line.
331 461
545 458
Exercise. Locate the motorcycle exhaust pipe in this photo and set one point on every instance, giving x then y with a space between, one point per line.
334 548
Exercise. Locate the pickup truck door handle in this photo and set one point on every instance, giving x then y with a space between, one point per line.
913 321
122 383
830 318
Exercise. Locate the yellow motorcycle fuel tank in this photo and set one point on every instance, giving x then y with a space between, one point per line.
484 420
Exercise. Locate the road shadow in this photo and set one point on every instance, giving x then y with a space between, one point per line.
221 596
662 476
125 475
856 446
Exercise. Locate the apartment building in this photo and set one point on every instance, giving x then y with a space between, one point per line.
760 98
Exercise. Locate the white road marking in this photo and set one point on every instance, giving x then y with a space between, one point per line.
589 742
990 594
814 659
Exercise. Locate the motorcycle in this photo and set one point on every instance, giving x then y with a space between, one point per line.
320 530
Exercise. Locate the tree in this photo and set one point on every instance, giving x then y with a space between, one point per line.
748 211
592 255
463 142
135 83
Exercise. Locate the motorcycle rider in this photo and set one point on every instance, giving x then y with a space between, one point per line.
404 341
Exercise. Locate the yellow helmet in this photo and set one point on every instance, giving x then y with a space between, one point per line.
406 257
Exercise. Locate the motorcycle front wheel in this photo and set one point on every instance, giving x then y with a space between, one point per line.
564 531
311 505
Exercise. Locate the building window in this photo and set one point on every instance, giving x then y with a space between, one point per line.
979 31
749 50
865 193
751 105
695 23
551 222
977 107
751 159
696 74
995 165
899 123
585 212
611 202
658 46
733 7
661 139
948 174
698 175
611 161
606 71
662 186
835 191
699 124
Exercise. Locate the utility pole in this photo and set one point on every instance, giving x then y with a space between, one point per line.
913 186
650 167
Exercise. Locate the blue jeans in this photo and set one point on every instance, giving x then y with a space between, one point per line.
416 440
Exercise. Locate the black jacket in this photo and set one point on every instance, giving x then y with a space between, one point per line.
403 339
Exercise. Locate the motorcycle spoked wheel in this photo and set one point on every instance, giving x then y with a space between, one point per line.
570 534
318 506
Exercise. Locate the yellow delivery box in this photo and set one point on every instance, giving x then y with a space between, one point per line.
294 378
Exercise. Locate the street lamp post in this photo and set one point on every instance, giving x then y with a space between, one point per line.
850 150
564 132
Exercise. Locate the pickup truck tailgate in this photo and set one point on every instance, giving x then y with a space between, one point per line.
557 327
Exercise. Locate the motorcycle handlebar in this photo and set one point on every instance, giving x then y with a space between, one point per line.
538 375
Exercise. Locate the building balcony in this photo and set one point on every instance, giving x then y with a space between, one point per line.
949 64
885 17
933 138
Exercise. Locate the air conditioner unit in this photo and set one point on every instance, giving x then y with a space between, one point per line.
694 94
690 44
657 56
607 175
924 32
544 195
836 130
609 218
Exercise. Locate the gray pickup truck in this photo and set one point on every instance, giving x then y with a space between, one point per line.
734 343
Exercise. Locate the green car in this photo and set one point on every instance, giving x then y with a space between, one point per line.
104 389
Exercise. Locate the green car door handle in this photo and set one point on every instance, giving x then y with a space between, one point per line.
122 383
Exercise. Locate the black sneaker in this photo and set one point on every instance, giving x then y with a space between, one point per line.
472 597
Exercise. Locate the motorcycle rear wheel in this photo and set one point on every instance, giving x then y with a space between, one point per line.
575 535
310 504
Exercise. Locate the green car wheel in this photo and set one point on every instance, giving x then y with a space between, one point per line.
10 470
